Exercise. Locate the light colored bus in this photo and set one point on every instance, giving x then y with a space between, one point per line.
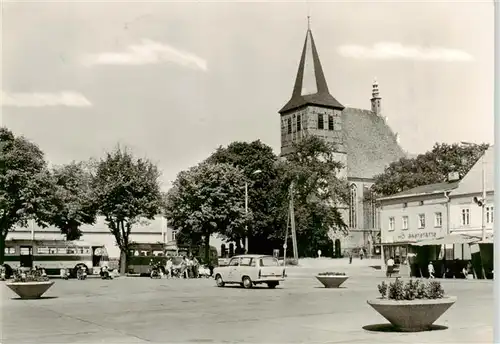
53 255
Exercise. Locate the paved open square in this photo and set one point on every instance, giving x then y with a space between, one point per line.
138 310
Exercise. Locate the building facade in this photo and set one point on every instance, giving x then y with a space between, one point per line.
364 142
466 216
417 214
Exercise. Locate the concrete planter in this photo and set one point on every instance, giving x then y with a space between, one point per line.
414 315
332 281
29 290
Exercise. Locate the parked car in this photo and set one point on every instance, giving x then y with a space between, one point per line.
249 270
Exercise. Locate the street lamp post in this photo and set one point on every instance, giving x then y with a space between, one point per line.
246 210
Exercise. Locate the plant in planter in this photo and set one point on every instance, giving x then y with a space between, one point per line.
29 284
413 306
331 279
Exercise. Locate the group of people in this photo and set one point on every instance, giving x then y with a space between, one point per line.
189 267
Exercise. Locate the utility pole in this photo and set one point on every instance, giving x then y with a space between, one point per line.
292 224
483 206
246 217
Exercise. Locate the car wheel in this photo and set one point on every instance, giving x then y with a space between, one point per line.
272 285
219 281
247 282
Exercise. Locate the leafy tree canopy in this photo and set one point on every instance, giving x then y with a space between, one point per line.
74 203
428 168
319 193
261 169
25 185
207 199
127 190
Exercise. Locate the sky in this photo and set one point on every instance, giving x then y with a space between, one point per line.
174 80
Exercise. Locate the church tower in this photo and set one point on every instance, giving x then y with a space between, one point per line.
312 110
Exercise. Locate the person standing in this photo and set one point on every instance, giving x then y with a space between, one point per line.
169 267
361 253
196 266
430 270
390 267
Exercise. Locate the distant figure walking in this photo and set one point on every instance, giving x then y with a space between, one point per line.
390 267
361 254
430 270
350 257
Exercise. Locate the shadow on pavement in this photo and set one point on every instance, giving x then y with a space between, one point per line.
341 287
391 328
35 299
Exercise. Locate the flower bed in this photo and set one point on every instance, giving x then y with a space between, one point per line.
412 306
29 284
331 279
332 274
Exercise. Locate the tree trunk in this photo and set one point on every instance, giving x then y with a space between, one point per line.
2 246
123 262
207 249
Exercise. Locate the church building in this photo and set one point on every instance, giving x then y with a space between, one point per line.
365 144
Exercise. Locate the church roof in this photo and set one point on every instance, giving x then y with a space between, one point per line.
370 143
310 84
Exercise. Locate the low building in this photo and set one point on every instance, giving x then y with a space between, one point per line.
438 210
413 215
466 213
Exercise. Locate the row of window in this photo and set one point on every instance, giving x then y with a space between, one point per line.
49 250
405 222
146 253
438 219
321 123
465 218
247 261
370 209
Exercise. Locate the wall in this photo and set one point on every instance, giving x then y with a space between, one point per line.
395 208
457 203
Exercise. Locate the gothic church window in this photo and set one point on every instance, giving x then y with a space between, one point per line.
299 124
353 204
330 122
321 124
289 125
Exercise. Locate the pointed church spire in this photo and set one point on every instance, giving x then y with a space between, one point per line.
310 83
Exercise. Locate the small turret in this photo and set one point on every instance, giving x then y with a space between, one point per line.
376 107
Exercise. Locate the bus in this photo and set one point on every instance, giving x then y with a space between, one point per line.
142 254
54 255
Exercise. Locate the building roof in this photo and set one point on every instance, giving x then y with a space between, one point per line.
472 182
310 84
428 189
370 143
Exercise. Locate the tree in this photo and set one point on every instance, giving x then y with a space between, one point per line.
127 190
74 202
207 199
266 230
319 193
428 168
25 185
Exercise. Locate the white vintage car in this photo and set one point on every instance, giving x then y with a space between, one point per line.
249 270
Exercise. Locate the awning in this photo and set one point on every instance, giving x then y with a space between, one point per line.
451 239
488 240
